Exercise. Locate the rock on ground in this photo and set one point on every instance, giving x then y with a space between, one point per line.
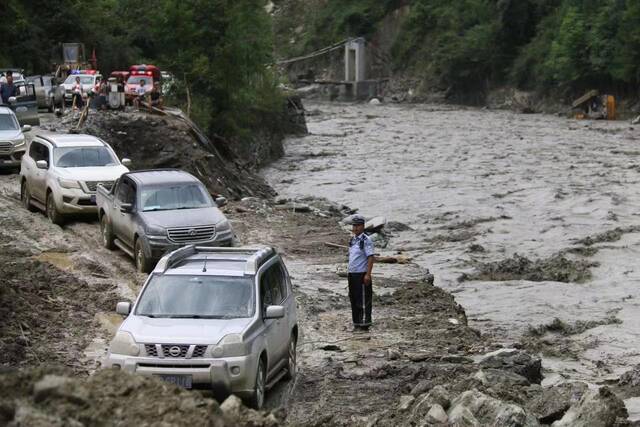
553 402
516 361
596 408
437 415
44 397
473 408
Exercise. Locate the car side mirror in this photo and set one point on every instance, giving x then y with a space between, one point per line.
42 164
126 207
124 308
12 99
274 312
26 128
126 162
221 201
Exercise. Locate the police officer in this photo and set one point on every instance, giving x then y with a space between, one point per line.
360 266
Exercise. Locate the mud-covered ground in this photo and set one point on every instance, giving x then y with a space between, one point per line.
421 363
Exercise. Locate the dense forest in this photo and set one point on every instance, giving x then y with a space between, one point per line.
216 48
219 48
553 46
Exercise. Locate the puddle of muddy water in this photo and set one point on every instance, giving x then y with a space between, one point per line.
510 183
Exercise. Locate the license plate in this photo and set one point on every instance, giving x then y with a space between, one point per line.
93 199
181 380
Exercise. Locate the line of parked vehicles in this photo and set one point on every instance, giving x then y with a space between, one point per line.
50 91
211 313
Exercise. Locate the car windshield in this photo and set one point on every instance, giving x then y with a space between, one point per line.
176 196
78 157
193 297
135 80
8 122
84 80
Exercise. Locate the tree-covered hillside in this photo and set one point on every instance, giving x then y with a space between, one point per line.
559 46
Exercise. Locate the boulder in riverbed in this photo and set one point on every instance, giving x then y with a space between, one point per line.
516 361
596 408
553 402
473 408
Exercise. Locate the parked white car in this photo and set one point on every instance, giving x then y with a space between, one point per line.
60 173
88 81
12 141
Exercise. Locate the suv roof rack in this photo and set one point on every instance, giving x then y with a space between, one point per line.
257 255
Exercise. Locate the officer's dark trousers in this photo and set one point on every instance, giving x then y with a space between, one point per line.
361 296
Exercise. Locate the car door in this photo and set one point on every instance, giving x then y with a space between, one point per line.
269 324
37 178
123 222
26 105
271 294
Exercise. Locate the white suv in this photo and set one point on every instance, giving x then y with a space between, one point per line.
60 173
219 318
12 141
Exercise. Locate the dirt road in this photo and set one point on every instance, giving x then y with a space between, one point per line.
421 356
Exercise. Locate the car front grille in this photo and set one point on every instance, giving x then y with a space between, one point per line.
92 186
176 351
5 146
191 234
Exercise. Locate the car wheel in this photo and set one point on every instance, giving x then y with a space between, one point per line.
257 398
292 364
143 265
52 211
25 196
107 233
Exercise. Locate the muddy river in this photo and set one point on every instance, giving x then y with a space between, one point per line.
479 186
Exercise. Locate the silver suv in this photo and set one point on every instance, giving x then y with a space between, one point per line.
12 140
59 174
220 318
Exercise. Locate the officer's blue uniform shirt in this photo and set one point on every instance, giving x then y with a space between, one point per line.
358 257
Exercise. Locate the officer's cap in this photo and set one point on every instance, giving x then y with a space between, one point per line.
357 220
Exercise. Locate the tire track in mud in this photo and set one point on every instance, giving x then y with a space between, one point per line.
74 282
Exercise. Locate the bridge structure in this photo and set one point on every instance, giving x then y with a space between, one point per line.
355 84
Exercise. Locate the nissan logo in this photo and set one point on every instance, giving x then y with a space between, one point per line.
174 351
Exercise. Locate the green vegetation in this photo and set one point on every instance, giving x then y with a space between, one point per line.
216 49
468 46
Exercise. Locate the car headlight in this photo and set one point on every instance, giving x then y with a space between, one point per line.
123 343
68 183
155 230
223 226
230 346
18 142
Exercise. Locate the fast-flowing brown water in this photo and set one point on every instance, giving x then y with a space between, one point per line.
527 184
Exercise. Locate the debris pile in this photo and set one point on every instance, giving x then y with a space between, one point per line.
52 397
556 268
153 141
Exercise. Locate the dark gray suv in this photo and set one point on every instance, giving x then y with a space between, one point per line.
148 213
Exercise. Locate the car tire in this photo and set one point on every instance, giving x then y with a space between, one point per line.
107 233
25 196
256 401
143 265
52 211
292 360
